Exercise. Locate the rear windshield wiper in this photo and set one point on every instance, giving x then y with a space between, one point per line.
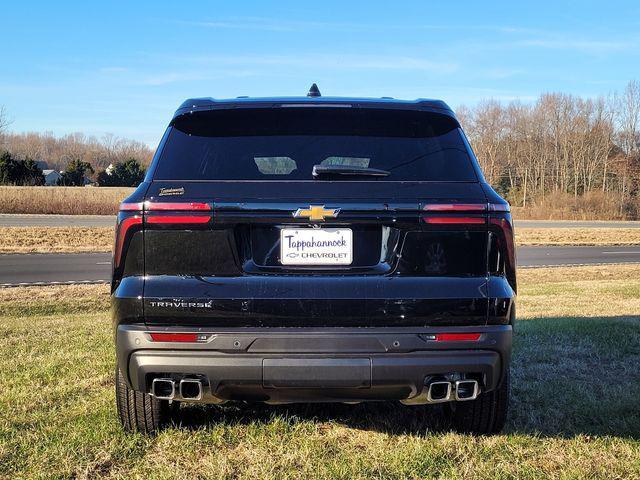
319 170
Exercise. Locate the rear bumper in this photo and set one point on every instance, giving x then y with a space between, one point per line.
307 365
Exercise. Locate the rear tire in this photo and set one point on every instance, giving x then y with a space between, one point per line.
486 414
140 412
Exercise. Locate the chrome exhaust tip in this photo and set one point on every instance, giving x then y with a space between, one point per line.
439 392
191 389
163 388
467 390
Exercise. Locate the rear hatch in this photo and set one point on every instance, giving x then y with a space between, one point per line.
390 231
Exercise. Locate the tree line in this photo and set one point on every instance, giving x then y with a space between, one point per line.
77 173
19 172
109 161
57 152
562 146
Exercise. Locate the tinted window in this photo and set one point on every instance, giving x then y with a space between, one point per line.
285 143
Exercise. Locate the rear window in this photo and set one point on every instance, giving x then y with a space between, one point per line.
285 144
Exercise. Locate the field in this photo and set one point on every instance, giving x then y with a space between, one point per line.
62 200
105 201
574 408
56 239
577 236
100 239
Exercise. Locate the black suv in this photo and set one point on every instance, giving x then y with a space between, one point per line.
314 249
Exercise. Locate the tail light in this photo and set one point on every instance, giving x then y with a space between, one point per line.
195 218
122 231
454 220
131 207
502 248
455 207
442 209
178 219
129 219
502 229
176 206
134 213
499 207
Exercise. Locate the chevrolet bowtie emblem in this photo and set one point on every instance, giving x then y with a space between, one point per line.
316 213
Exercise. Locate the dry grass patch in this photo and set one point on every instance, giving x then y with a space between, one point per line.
577 236
531 277
593 291
62 200
55 239
594 205
53 299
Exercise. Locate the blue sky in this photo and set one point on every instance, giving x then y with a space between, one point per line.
124 67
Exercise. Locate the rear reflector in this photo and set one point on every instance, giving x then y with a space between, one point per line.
174 337
184 206
457 337
178 219
454 220
456 207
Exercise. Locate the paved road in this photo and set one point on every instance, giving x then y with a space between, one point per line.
9 220
36 269
54 268
557 256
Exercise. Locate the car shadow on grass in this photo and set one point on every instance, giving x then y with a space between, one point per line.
390 417
570 376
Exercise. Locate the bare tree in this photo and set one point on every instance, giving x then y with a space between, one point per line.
4 122
559 144
629 117
58 151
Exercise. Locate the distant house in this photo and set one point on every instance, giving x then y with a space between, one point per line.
51 177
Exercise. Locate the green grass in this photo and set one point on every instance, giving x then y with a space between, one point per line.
575 410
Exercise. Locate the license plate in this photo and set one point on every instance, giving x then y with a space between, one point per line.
316 246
